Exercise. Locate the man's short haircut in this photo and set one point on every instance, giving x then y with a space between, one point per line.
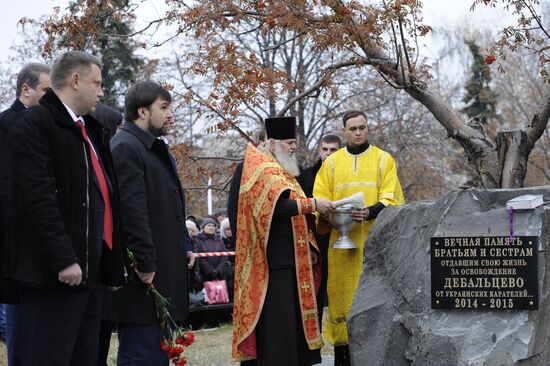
353 114
142 95
30 75
332 139
69 62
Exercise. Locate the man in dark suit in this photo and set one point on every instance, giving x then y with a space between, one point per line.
32 83
110 119
153 211
67 220
329 144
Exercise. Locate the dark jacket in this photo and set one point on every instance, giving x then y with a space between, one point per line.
307 181
109 118
230 246
53 180
8 292
229 243
233 199
212 268
153 209
307 178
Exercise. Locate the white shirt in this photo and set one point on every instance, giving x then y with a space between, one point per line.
79 118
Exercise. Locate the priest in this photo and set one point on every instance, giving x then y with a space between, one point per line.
277 264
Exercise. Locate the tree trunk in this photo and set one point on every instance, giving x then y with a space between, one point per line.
513 152
478 147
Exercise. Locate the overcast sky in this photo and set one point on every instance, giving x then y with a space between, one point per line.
438 13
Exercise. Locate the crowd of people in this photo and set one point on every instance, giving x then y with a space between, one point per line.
93 214
216 239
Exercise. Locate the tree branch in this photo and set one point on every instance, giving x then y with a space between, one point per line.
538 124
207 157
536 17
278 45
329 71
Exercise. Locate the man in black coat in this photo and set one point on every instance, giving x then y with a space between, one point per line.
109 118
153 207
329 144
32 83
67 221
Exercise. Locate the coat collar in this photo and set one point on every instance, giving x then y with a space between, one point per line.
55 105
17 106
61 115
145 137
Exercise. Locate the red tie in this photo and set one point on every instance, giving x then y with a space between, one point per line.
107 218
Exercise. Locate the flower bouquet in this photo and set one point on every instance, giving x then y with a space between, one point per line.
175 338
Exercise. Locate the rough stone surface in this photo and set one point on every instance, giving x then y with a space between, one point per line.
391 322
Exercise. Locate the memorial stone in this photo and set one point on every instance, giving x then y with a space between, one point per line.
392 319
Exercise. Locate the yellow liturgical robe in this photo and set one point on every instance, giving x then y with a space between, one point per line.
374 173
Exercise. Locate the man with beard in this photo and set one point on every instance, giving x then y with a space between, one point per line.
153 209
275 319
359 167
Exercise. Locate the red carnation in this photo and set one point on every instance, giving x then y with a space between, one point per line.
174 339
182 361
190 338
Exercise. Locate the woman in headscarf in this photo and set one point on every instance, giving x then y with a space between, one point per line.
211 268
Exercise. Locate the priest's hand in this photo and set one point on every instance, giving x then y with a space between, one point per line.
360 215
324 206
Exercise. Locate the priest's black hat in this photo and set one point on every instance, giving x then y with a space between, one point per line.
280 128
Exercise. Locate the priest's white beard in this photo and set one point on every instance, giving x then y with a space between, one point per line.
287 161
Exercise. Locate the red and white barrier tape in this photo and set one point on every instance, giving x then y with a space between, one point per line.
214 254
